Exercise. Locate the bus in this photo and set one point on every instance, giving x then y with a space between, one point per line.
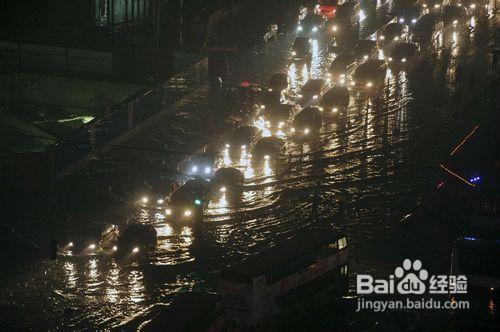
300 273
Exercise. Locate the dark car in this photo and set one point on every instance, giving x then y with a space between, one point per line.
341 65
278 82
348 14
137 239
393 32
312 90
307 122
277 117
370 74
200 164
267 148
227 177
427 29
186 202
311 26
366 49
335 101
407 12
454 15
403 55
242 138
301 48
92 238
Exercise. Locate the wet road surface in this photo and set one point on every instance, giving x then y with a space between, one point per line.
380 163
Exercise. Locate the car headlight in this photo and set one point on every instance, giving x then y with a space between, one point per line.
243 147
414 20
342 80
472 6
92 246
188 213
281 124
438 5
455 22
160 201
168 212
270 90
299 95
396 38
115 248
382 37
70 244
314 29
315 97
135 250
403 60
294 53
321 109
145 200
334 28
401 20
267 157
299 28
335 110
389 59
292 129
207 170
369 84
222 189
306 131
365 57
194 169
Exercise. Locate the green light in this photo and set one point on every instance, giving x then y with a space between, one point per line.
197 202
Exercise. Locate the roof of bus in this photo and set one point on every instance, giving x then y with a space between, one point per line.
281 254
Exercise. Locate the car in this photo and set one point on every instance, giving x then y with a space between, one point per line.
393 32
370 74
136 239
312 90
335 102
348 14
403 55
366 49
277 117
301 48
92 238
307 122
201 164
267 148
407 12
341 66
427 30
227 177
454 15
271 98
185 204
242 138
341 45
311 26
278 82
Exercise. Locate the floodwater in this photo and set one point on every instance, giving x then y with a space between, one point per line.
380 162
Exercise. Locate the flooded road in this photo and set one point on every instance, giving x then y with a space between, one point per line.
380 163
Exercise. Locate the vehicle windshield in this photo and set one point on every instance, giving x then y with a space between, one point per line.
479 260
